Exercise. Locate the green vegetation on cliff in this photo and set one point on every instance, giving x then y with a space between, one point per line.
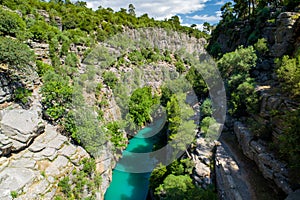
255 66
174 182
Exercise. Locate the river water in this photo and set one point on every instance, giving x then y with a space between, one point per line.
134 186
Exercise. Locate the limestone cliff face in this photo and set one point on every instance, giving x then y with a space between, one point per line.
282 36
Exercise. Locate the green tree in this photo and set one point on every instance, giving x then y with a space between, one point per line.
261 46
227 13
238 62
289 143
158 175
175 187
207 27
206 108
196 80
140 104
173 114
288 73
131 9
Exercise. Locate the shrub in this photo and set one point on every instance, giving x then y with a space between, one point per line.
72 60
22 95
180 67
261 46
116 135
65 186
14 194
87 179
16 54
10 23
135 57
91 72
110 79
42 31
42 68
89 166
57 95
206 108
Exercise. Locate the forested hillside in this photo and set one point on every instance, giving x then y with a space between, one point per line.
77 84
47 52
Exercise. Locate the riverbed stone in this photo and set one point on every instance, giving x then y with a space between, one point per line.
202 170
227 174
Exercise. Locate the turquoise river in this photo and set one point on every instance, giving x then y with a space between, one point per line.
134 186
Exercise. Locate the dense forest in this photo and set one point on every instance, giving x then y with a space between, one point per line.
63 24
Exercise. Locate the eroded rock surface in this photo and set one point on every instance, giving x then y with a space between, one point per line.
18 127
227 172
270 167
34 172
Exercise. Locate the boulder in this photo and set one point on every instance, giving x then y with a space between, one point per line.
20 126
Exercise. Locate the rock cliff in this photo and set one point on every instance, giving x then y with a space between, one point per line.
282 35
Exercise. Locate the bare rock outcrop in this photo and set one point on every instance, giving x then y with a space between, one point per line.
285 35
271 168
5 88
18 126
35 171
226 174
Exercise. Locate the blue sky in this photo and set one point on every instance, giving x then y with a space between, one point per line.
190 11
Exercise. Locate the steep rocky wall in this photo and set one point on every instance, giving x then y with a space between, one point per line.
285 35
162 39
282 36
256 150
226 168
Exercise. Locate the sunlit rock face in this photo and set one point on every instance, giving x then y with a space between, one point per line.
34 172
